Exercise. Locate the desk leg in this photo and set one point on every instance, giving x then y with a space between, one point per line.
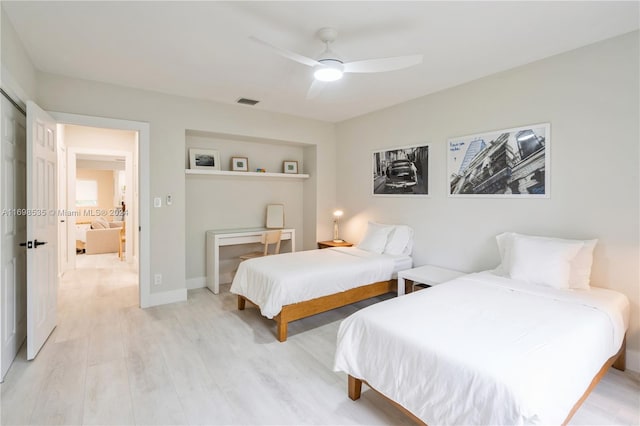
293 241
216 267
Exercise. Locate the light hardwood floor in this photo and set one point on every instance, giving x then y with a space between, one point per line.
204 362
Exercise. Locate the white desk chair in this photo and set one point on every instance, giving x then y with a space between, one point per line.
268 238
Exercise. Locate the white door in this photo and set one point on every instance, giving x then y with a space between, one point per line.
42 228
13 225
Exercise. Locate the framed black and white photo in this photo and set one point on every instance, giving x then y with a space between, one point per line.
510 163
290 167
239 164
206 159
401 171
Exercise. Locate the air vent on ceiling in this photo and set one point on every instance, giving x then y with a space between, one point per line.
246 101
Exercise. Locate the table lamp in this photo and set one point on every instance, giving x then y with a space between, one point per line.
336 216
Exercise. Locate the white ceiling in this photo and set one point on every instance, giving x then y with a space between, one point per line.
202 49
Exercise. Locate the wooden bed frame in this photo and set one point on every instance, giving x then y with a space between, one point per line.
311 307
618 361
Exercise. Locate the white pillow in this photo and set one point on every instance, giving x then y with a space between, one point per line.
400 241
375 239
505 242
580 266
543 261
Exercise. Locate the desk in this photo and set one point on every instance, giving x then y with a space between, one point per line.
227 237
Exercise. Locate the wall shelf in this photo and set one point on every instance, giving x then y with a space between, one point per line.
245 174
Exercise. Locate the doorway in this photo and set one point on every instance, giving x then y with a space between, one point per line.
137 228
102 192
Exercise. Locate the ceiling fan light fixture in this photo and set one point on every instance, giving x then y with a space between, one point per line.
330 70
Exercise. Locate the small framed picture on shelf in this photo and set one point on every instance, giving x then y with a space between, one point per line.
239 164
290 167
206 159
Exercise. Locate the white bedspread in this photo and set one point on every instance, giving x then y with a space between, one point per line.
274 281
484 349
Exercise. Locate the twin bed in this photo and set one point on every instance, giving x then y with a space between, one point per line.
484 349
524 344
292 286
297 285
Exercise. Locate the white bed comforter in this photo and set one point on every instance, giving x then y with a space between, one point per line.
484 350
274 281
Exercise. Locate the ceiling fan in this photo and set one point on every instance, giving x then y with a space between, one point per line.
330 67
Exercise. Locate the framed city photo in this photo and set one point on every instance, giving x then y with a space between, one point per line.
239 164
290 167
509 163
206 159
401 171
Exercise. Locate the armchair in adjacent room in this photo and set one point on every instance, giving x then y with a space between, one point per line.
103 237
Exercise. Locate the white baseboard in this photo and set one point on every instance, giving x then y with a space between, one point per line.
198 282
201 282
633 360
165 297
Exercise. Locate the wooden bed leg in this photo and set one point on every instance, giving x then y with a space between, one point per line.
621 362
241 303
355 388
282 328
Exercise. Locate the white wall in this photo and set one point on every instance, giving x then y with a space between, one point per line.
17 73
590 97
169 118
101 139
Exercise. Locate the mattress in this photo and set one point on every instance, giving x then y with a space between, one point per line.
272 282
484 349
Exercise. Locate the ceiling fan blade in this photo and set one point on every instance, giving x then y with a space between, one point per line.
287 53
316 88
384 64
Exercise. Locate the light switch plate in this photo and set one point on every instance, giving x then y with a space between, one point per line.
157 202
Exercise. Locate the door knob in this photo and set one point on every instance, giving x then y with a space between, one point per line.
37 243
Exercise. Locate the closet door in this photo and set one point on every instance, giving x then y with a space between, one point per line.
13 231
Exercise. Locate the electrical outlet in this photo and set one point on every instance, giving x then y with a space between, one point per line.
157 279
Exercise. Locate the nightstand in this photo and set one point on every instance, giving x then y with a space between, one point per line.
427 274
331 243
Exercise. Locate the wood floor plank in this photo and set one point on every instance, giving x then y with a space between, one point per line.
107 398
60 400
